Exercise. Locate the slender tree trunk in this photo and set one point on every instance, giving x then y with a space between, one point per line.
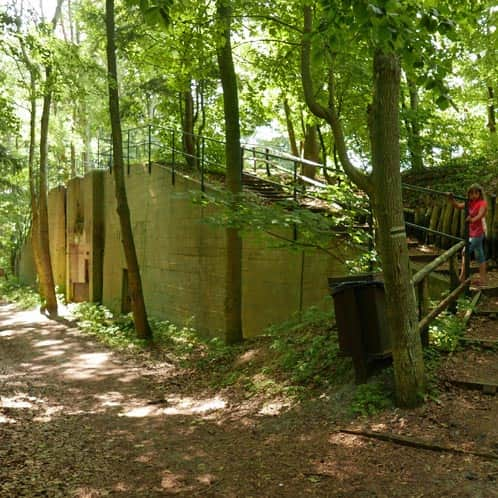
40 222
491 111
311 150
134 280
188 128
393 248
233 279
414 139
35 224
46 275
290 129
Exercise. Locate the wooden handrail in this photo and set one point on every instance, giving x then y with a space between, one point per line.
442 258
426 320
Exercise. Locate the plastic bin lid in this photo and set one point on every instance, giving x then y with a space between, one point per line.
341 286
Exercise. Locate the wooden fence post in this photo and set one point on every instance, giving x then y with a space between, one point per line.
423 307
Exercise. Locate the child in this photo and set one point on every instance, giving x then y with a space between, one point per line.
477 208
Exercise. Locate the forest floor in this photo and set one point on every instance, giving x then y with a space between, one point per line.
80 420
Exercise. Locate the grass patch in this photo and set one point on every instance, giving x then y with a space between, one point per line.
371 398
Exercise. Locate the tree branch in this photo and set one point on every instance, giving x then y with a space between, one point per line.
329 113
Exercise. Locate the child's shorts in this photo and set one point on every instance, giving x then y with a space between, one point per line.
476 246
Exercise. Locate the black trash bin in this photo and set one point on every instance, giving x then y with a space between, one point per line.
360 313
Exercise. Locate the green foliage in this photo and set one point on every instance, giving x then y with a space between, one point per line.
182 341
119 331
13 291
445 332
308 351
370 399
444 338
98 321
14 207
305 228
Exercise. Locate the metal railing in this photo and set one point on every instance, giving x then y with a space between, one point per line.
162 145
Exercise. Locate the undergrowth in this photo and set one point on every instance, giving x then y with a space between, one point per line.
25 297
298 358
445 333
292 358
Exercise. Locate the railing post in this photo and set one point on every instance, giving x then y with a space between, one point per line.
254 159
128 152
454 280
423 307
467 245
150 149
294 188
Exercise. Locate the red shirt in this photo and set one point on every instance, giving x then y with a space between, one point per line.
476 228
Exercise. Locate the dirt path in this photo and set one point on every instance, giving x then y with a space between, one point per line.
77 420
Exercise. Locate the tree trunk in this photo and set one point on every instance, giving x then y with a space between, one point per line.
393 248
134 280
45 275
491 111
40 222
311 150
290 129
383 186
35 224
414 140
188 129
233 282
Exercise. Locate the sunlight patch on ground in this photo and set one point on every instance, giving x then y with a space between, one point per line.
273 408
91 366
246 357
177 406
348 440
188 406
206 479
146 458
49 413
112 398
379 427
6 420
142 411
25 317
47 343
171 481
18 401
87 493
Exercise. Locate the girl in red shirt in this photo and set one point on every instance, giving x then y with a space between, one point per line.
477 209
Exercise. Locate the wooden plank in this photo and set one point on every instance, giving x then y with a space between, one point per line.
483 343
488 313
486 387
473 304
417 443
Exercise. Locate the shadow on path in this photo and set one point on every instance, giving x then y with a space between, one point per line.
77 419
